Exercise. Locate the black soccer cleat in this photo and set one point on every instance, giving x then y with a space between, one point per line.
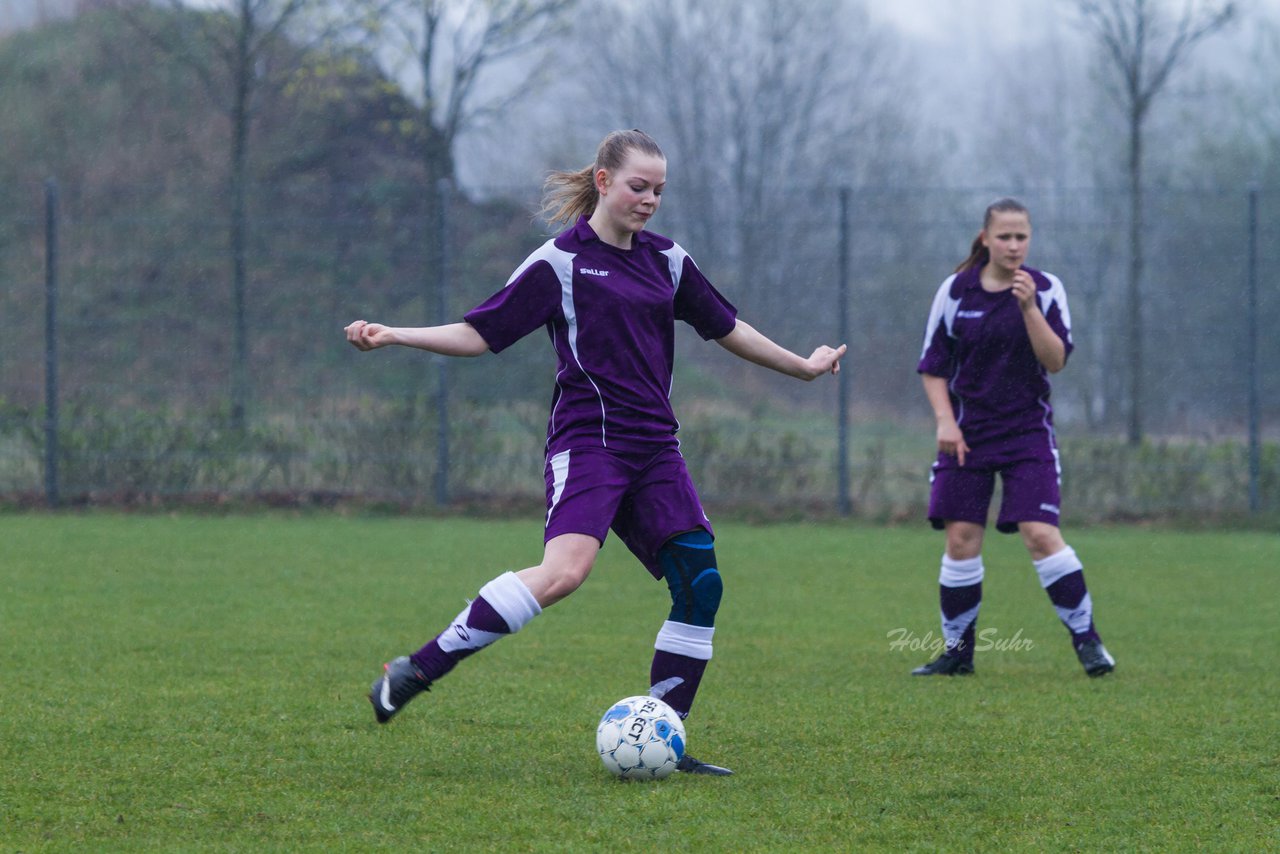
400 683
689 765
945 665
1095 658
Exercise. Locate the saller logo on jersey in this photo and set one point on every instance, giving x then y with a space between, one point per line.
587 271
973 315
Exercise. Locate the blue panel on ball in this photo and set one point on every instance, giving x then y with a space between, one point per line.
617 713
677 744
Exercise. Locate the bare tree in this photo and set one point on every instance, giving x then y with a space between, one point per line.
761 106
462 58
230 49
1251 143
781 81
471 58
1143 45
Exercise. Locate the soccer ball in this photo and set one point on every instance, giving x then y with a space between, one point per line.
640 738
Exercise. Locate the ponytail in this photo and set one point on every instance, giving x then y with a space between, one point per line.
569 195
978 256
978 252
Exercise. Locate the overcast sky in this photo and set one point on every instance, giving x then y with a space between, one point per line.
961 50
940 20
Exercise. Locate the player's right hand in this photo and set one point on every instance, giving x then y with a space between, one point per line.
364 335
951 441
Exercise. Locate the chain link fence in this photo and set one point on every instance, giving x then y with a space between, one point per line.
117 368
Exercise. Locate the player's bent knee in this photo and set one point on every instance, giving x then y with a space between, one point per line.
553 580
569 577
689 566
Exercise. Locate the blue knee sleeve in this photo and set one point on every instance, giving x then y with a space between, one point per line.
689 565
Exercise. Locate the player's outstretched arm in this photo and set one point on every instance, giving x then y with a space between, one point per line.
746 342
454 339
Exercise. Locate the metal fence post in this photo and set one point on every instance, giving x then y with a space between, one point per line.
442 362
1251 359
842 379
51 342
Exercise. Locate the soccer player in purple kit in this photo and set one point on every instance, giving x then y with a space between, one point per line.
608 292
996 330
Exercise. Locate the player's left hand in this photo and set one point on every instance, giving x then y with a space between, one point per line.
1024 289
826 360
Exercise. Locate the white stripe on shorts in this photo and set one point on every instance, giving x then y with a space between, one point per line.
559 474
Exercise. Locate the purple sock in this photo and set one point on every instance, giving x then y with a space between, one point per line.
1070 598
959 617
433 661
670 666
475 628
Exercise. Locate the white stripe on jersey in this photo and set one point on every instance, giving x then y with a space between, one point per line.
1058 294
1048 429
675 261
562 263
943 310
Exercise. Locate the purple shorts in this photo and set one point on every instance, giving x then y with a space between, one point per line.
646 499
1031 492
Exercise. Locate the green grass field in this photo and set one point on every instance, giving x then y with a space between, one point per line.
198 683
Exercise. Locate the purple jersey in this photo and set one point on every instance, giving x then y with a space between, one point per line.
611 316
978 341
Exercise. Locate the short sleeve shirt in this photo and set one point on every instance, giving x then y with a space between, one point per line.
610 314
978 342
